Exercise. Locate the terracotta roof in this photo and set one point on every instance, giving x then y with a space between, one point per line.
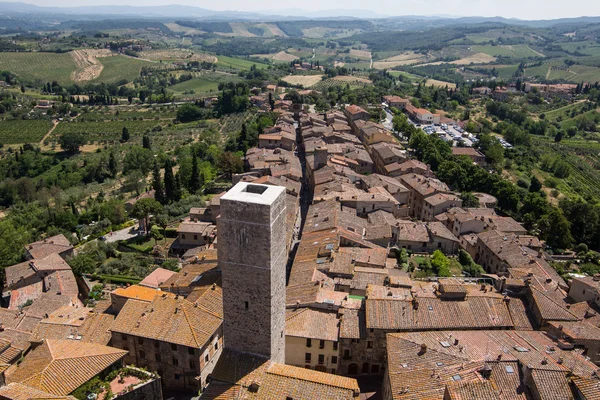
425 186
201 273
61 366
354 109
460 356
434 313
466 151
169 320
94 329
352 324
551 385
51 262
549 308
412 232
47 303
480 390
271 380
18 391
138 292
312 324
54 244
589 387
199 227
157 278
10 318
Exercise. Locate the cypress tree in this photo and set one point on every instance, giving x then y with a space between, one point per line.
178 188
170 184
195 180
146 142
112 165
159 194
125 134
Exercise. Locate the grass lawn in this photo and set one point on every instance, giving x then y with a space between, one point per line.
238 63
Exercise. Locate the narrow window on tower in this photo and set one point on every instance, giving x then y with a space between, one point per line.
246 305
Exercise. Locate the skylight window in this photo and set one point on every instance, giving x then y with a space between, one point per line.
509 369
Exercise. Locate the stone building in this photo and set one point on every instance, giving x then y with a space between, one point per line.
311 339
253 258
180 340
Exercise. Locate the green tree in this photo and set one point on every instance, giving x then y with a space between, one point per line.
146 143
195 180
556 230
440 264
71 141
189 112
138 159
535 185
144 208
170 184
112 165
156 234
469 200
230 164
125 135
507 194
159 193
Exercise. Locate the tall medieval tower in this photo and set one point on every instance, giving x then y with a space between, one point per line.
252 255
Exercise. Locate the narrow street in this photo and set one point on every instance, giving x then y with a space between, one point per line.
305 198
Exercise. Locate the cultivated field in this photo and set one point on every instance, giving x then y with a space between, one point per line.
304 80
281 56
275 30
45 67
118 68
407 58
514 51
105 130
352 81
238 63
435 82
23 131
240 29
88 65
176 55
360 54
479 58
348 78
198 85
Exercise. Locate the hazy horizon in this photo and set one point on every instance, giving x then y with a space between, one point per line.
530 10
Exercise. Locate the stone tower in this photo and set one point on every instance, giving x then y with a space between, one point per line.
252 254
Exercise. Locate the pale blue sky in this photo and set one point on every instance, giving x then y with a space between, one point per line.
523 9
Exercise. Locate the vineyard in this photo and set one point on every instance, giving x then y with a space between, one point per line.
232 123
23 131
104 131
39 66
120 68
323 86
582 158
156 113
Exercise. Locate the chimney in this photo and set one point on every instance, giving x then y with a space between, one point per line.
423 349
